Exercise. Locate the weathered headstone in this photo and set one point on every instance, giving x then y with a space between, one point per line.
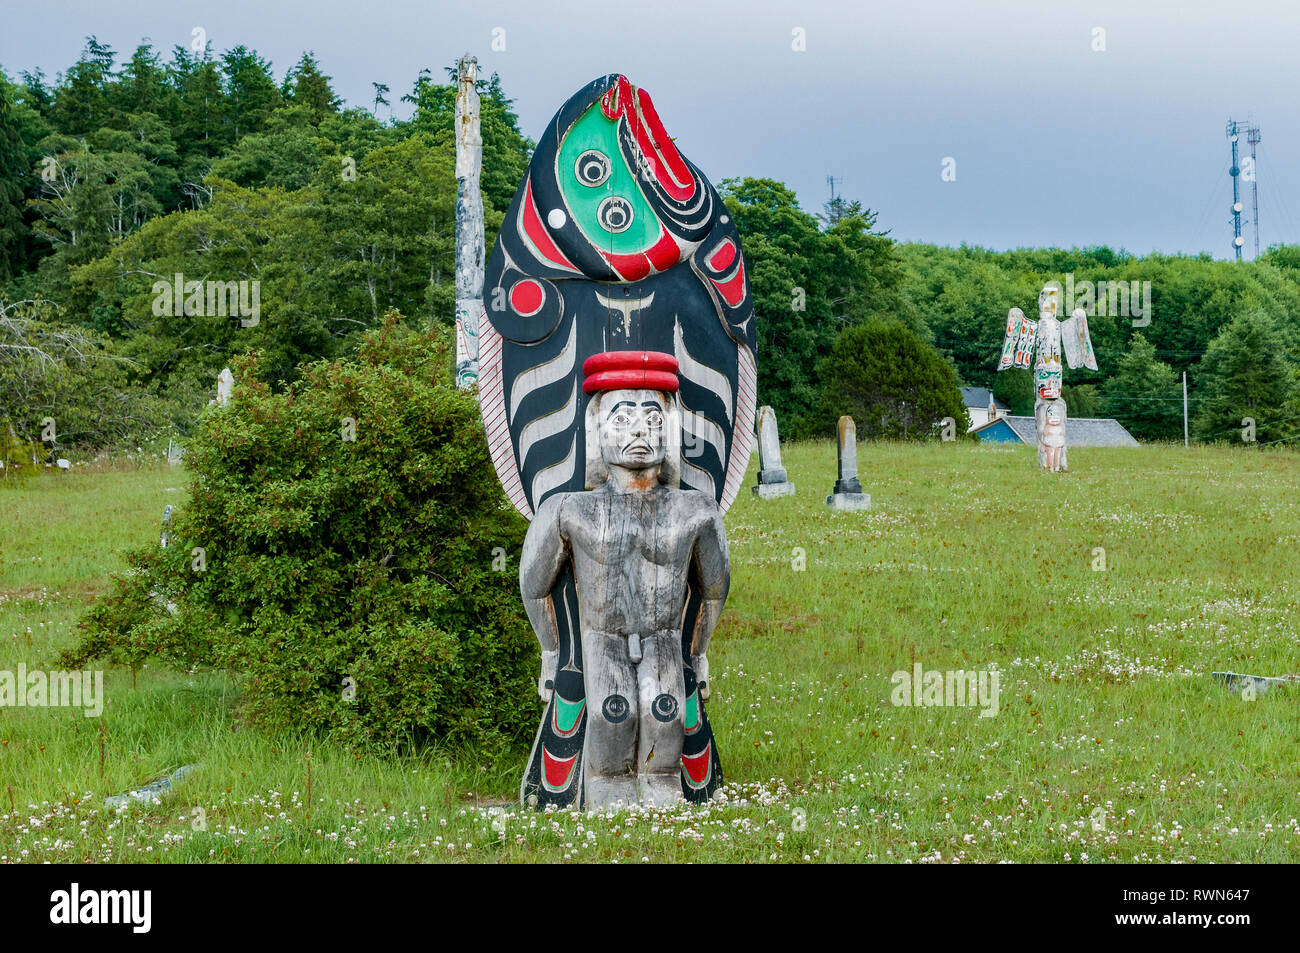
151 792
847 494
1259 684
164 539
772 480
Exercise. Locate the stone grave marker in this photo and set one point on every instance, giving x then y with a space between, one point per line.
847 494
772 481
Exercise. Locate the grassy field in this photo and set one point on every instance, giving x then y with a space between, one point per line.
1109 743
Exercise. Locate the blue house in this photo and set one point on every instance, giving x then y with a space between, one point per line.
1079 432
998 431
981 406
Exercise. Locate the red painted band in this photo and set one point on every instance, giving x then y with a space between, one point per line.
628 361
630 380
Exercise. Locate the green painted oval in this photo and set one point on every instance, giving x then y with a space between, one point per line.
594 131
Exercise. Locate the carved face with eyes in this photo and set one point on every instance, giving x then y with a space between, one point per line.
1049 300
602 194
632 428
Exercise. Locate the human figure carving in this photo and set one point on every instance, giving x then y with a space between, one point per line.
633 540
1050 423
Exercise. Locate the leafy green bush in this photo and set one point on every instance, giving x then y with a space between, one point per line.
18 458
76 377
890 382
353 580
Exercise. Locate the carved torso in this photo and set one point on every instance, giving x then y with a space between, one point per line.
631 554
1053 433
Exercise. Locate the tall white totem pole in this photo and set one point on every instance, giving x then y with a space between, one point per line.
1042 343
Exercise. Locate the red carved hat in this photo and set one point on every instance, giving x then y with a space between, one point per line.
629 370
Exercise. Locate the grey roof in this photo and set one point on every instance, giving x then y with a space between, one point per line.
979 397
1079 431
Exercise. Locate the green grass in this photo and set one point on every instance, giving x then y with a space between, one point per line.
969 558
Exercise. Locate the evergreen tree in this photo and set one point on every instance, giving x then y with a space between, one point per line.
381 96
140 86
505 149
781 246
866 274
251 88
1144 394
74 207
306 85
834 210
14 171
37 92
80 103
1082 399
1245 374
285 156
203 111
890 382
807 286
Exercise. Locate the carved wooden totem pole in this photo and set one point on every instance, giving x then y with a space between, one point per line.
617 385
1048 338
469 222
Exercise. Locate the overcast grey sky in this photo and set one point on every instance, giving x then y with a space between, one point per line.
1054 142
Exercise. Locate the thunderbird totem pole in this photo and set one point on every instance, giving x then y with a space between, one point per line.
1048 337
617 385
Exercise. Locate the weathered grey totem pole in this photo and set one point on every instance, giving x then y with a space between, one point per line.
1048 338
617 329
633 543
469 222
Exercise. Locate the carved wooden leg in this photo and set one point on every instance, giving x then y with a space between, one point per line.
609 751
661 690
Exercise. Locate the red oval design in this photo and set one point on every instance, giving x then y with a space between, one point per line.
527 297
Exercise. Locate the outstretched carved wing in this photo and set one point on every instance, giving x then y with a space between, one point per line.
614 241
1018 345
1077 342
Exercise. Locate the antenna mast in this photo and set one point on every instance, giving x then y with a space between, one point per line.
1253 137
1234 131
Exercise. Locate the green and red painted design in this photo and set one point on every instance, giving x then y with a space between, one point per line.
614 242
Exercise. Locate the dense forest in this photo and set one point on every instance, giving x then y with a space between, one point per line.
314 219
